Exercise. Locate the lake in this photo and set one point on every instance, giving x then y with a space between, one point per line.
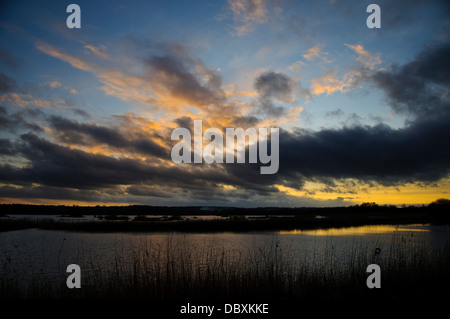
35 255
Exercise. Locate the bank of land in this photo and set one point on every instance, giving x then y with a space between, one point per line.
163 218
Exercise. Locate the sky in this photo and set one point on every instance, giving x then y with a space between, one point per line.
86 114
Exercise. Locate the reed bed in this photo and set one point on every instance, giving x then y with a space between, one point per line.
176 269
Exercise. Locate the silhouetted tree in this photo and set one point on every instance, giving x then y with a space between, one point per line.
369 204
440 208
441 202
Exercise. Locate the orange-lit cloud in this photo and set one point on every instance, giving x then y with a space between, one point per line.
167 86
316 53
23 100
74 61
329 83
99 51
54 84
177 86
365 57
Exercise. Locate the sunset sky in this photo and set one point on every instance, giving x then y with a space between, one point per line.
86 114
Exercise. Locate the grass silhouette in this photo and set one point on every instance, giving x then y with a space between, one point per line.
176 270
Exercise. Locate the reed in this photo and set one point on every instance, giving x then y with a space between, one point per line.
176 269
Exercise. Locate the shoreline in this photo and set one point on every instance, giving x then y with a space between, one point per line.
211 225
164 219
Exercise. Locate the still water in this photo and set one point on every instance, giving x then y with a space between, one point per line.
33 253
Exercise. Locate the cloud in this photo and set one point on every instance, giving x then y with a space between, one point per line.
127 158
167 78
44 192
18 121
316 53
335 113
72 60
25 99
272 87
29 95
329 83
81 113
73 133
117 82
365 57
55 165
379 153
54 84
99 51
421 87
247 14
6 147
179 77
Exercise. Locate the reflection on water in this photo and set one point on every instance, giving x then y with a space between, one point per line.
359 231
33 253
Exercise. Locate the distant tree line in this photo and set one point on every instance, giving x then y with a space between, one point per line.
438 207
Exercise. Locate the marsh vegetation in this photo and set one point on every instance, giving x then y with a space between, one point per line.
177 268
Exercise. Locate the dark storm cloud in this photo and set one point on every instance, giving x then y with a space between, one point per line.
54 165
6 147
381 154
50 192
18 120
3 117
145 190
421 87
82 133
419 152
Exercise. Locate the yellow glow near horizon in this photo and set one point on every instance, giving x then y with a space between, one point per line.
350 192
227 187
58 202
353 192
